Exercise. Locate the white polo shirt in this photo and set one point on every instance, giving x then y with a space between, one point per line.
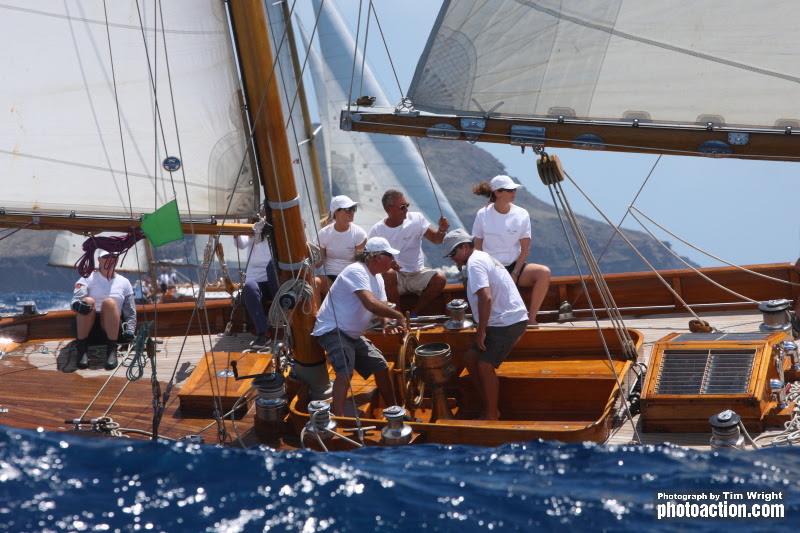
340 246
350 315
100 288
507 305
407 237
501 232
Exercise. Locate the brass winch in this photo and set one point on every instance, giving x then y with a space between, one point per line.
435 363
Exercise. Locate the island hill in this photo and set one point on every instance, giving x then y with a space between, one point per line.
457 166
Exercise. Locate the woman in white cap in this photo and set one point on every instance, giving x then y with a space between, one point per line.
340 241
503 230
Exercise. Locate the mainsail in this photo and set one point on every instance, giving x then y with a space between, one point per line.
68 249
61 150
363 166
674 61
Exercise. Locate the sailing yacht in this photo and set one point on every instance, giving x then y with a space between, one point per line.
565 383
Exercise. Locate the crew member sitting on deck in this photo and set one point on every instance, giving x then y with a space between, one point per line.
498 310
503 230
260 278
103 300
340 240
404 230
357 294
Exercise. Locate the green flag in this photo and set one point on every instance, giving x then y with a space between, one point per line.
164 225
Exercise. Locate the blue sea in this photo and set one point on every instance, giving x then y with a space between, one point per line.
66 482
45 300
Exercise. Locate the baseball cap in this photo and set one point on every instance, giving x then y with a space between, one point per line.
503 182
341 202
104 253
379 244
454 238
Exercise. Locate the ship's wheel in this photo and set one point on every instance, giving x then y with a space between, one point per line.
409 379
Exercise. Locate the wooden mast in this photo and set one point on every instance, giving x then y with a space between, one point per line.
255 56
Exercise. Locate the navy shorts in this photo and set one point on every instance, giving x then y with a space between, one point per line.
347 354
500 340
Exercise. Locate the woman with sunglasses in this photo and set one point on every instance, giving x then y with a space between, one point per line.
503 230
340 240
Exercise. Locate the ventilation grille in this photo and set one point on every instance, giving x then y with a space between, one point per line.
705 371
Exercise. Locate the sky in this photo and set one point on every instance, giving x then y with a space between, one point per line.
740 211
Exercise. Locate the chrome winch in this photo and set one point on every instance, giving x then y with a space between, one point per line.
776 317
395 432
435 362
271 405
725 432
457 309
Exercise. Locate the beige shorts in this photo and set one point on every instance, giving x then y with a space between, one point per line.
414 282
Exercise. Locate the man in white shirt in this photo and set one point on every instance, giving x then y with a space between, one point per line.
102 300
498 310
404 230
355 297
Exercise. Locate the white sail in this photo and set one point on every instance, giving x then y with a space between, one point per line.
363 165
60 146
674 61
68 248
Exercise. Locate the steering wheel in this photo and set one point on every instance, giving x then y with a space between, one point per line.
409 379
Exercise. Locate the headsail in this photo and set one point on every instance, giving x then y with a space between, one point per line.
363 166
60 147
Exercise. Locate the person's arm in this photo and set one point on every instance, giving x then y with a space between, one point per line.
437 236
360 247
484 311
524 248
379 308
80 292
478 243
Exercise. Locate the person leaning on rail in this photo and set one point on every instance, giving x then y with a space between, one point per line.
503 230
340 240
499 313
404 230
106 311
355 297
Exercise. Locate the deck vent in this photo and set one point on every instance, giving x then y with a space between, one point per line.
735 337
705 371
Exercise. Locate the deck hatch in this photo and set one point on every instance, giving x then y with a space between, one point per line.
716 371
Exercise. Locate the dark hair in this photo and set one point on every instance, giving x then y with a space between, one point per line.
484 189
390 196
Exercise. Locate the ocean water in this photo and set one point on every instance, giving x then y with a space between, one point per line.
45 300
61 482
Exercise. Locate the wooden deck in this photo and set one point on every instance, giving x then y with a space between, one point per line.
40 386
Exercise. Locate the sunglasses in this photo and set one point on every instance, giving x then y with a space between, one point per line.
403 207
506 190
348 209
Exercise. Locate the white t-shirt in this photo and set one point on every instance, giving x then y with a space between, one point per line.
507 305
351 316
259 258
100 288
407 238
501 232
340 247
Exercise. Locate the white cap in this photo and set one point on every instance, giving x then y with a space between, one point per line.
103 253
341 202
379 244
503 182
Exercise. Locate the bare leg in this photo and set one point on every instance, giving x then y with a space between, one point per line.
490 389
109 318
339 393
471 362
434 289
390 282
84 323
385 387
538 277
323 285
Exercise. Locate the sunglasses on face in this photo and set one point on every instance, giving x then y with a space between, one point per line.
403 207
348 209
506 190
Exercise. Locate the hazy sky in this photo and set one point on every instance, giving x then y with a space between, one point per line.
741 211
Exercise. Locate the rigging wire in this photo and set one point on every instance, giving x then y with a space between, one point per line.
355 55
